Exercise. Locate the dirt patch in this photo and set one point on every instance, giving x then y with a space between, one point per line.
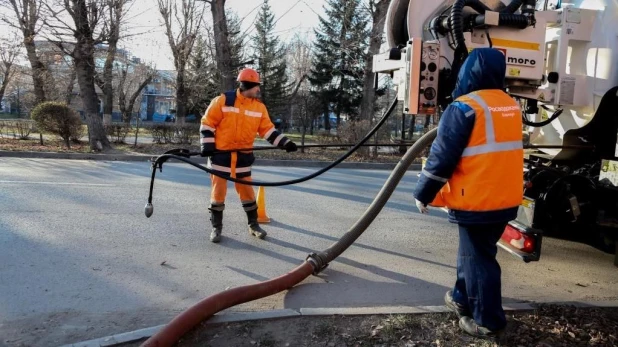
547 326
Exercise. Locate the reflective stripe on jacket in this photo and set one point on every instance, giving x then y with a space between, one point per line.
489 176
231 122
463 128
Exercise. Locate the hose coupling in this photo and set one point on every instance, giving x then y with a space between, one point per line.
316 261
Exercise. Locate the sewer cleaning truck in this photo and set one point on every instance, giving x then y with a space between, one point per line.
562 68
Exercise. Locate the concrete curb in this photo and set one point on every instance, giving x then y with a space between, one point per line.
136 335
146 158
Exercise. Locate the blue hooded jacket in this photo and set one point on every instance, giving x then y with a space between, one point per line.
484 68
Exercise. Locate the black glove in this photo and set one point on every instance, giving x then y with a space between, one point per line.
290 147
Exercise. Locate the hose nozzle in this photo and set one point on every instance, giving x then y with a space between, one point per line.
148 210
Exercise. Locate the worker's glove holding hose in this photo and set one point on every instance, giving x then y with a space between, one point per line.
207 148
290 147
422 208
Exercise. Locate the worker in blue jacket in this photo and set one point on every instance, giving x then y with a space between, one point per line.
475 169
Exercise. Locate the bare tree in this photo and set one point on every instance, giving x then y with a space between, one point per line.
70 85
307 110
28 20
202 77
9 51
117 10
77 27
222 44
188 17
378 10
304 107
132 81
19 91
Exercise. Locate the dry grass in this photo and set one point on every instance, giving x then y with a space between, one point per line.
548 326
33 145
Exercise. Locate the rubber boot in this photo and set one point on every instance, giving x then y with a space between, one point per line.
216 219
254 226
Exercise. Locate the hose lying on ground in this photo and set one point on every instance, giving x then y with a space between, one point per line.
314 263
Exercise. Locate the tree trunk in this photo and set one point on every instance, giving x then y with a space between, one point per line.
412 127
326 119
129 107
379 18
38 69
69 96
181 97
84 66
222 45
108 76
5 81
137 120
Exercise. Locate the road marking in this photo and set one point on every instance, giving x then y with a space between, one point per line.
62 183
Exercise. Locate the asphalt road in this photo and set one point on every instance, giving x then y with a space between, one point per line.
79 260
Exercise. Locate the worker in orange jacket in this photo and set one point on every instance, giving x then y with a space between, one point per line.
231 122
475 168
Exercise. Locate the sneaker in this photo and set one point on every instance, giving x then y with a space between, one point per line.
468 325
456 307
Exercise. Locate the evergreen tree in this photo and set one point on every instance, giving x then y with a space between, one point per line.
339 58
237 41
204 76
269 55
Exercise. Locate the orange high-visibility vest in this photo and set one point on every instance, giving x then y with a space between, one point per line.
489 175
236 126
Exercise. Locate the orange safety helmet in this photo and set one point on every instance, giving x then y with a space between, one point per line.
248 75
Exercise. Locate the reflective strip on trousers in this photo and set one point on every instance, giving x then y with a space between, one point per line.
229 170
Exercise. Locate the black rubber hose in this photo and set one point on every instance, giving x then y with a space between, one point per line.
165 157
322 259
512 7
518 21
456 18
543 123
477 5
457 23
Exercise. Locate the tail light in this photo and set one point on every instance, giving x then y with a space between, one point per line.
517 239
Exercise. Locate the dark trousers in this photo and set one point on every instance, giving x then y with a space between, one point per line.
478 285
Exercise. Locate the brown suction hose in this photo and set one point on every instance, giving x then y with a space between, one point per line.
206 308
315 263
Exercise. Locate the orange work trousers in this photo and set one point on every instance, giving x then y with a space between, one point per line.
219 190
